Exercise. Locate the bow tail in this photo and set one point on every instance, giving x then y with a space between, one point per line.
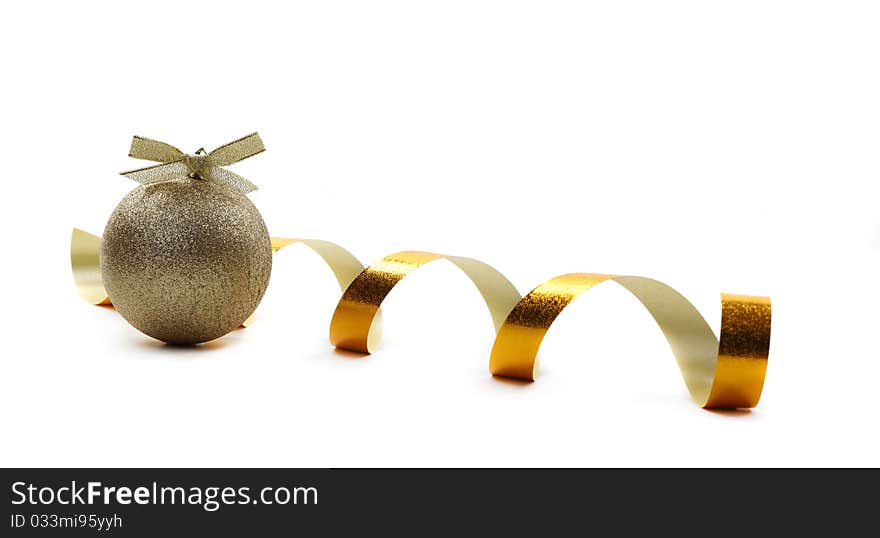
232 179
157 173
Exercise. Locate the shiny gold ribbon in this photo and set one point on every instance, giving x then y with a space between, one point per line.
719 373
725 374
201 165
355 314
85 260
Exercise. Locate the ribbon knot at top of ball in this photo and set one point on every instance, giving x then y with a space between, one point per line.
200 165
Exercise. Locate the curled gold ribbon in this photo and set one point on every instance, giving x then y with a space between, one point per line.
719 373
357 309
345 266
85 252
200 165
729 374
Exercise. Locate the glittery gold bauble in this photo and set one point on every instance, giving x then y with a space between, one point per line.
186 261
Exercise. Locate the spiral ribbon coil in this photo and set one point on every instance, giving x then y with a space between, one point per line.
720 373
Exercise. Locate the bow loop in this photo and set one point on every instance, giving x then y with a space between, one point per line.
238 150
153 150
200 165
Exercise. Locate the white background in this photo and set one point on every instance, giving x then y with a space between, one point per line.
714 146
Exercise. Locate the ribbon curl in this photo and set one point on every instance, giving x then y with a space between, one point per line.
720 373
356 312
200 165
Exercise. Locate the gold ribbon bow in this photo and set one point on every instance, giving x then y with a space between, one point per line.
200 165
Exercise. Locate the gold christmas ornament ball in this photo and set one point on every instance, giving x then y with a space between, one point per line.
186 261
